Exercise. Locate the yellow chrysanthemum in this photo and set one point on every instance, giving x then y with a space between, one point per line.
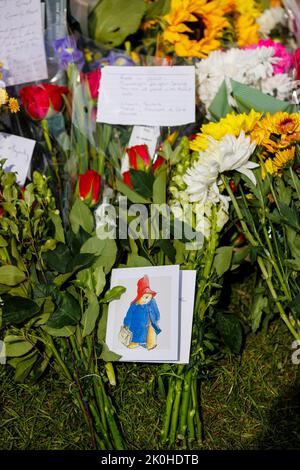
13 105
232 124
274 166
277 131
195 27
3 96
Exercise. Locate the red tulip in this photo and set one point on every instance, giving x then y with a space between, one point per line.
1 212
93 79
89 187
43 100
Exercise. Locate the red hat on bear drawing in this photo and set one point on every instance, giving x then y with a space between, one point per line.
143 288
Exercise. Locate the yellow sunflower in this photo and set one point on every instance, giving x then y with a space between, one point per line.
194 27
232 124
246 30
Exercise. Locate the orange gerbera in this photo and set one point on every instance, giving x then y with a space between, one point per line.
194 27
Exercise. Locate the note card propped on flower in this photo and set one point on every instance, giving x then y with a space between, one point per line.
22 41
149 96
18 152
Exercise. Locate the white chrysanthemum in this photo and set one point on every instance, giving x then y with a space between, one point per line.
230 153
271 18
249 66
281 86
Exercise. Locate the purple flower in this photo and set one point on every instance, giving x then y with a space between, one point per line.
67 52
116 59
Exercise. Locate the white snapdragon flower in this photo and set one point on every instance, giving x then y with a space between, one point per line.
271 18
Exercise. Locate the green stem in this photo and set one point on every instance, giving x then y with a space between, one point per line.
168 412
175 414
198 424
190 421
185 404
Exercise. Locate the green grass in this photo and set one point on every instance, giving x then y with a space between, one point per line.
249 402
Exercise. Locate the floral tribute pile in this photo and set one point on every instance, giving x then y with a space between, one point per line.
236 168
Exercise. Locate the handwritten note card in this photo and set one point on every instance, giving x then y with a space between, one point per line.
18 152
150 96
22 41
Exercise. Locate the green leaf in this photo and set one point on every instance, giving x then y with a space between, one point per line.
3 242
81 216
93 245
90 315
113 294
68 312
16 346
142 182
111 21
59 231
59 259
132 195
100 279
11 275
160 187
63 332
107 355
101 331
18 309
158 9
136 261
223 259
108 256
231 331
25 366
259 304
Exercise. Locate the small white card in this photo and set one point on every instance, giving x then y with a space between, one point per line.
141 135
149 96
186 315
22 41
18 152
148 311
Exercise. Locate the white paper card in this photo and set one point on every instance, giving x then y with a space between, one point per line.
150 96
141 135
163 315
22 41
186 315
18 152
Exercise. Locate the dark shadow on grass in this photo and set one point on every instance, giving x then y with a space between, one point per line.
282 429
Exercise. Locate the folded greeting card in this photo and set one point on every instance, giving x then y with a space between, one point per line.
152 321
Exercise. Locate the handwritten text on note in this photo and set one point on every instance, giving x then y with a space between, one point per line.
151 96
18 152
22 41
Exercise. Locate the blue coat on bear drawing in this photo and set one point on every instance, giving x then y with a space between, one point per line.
138 317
